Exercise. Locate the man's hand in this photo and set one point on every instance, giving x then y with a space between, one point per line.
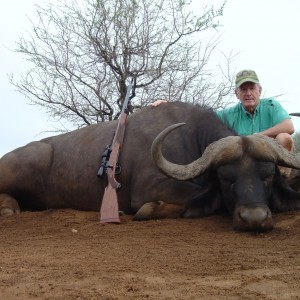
158 102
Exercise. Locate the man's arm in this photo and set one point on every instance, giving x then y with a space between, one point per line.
286 126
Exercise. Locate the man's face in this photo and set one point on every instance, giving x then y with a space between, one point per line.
248 93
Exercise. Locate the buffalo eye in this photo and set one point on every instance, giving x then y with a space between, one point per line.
227 175
228 182
268 180
266 171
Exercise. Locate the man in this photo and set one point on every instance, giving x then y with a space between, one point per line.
254 115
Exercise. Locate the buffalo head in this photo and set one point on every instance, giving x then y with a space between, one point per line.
245 168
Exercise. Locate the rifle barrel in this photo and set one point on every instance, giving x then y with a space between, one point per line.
125 103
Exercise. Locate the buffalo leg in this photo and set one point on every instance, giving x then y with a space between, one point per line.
8 205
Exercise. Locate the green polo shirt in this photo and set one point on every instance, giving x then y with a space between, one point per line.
268 113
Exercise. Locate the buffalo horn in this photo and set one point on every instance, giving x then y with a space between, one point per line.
215 154
266 148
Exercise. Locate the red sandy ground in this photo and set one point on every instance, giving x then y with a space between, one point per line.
67 254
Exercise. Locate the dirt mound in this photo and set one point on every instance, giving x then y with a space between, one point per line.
67 254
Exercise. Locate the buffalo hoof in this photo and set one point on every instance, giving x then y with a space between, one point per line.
253 219
6 211
158 210
145 212
8 205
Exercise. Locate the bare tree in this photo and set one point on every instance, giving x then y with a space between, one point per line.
84 53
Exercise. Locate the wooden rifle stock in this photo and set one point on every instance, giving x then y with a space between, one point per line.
109 212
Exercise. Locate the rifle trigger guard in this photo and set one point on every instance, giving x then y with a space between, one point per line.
118 169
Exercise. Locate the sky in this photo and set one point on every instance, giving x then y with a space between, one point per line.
264 33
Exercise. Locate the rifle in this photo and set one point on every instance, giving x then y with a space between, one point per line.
109 212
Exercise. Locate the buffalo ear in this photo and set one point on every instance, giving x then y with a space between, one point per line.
284 197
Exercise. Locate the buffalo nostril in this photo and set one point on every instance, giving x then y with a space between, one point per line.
257 215
257 218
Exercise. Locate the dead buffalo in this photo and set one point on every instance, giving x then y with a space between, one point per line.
239 174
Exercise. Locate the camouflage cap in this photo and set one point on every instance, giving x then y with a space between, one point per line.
245 76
